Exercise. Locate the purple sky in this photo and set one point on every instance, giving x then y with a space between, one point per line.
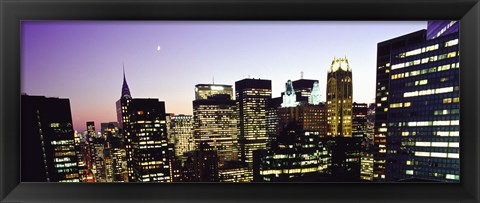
82 60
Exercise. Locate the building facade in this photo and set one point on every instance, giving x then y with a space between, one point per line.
148 133
215 123
424 109
339 99
252 96
384 50
181 129
47 141
359 119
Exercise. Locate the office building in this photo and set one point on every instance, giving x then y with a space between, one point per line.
148 134
424 111
47 140
359 119
215 123
384 50
366 166
181 129
253 97
339 98
201 165
294 153
272 117
234 172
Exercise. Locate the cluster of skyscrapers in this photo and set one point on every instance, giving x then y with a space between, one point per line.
241 133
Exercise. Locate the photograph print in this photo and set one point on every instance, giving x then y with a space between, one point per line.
240 101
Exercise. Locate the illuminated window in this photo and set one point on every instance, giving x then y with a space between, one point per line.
451 54
54 125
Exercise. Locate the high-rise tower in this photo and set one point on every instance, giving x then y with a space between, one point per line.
339 99
252 97
123 124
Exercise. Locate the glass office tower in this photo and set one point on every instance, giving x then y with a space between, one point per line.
423 112
384 50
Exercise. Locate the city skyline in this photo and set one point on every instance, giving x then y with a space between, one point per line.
84 60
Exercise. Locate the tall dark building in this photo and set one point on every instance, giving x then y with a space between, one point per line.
252 96
424 110
123 124
47 140
148 133
384 50
339 99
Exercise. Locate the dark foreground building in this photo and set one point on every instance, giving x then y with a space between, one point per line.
423 139
47 140
148 134
384 50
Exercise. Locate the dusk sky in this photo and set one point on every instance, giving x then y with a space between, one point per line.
82 60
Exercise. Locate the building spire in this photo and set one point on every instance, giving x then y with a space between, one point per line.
125 89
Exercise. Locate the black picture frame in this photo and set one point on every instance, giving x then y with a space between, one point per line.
13 11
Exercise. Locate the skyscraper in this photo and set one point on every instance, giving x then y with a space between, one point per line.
47 140
215 123
423 113
252 96
339 98
148 133
384 50
181 129
123 125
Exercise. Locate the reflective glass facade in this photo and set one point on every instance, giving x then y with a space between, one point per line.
424 111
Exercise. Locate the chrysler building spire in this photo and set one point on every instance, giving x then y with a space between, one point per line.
125 89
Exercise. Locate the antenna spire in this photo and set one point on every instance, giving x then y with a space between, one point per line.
301 75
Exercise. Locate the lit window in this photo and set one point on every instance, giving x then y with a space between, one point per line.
451 43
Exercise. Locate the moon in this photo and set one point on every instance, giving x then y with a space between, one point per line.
158 48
